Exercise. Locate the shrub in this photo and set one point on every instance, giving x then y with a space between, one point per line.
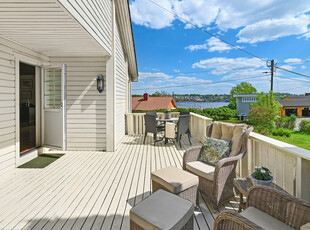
286 122
261 117
281 132
304 126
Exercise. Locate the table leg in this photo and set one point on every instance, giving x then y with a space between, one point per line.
241 203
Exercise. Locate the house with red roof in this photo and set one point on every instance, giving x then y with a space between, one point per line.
152 103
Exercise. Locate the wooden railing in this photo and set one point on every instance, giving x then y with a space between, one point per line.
289 164
198 124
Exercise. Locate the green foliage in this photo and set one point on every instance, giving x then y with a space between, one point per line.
223 113
286 122
261 117
281 132
156 94
267 101
262 173
242 88
304 126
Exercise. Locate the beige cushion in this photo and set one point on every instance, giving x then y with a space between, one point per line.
201 169
236 139
162 210
305 227
175 180
264 220
170 130
227 131
216 130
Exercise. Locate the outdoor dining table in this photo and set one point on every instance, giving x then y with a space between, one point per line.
168 119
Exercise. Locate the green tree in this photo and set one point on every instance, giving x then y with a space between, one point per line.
242 88
156 94
268 101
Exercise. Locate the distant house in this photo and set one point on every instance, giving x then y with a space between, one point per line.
152 103
295 105
243 102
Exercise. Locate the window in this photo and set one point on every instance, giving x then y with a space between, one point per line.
52 88
249 99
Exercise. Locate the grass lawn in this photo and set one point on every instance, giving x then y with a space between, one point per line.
297 138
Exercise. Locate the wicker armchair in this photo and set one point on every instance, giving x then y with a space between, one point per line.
283 207
183 128
220 189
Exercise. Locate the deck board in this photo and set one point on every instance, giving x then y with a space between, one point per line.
92 190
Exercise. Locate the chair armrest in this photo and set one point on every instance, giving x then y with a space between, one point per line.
192 154
280 205
233 220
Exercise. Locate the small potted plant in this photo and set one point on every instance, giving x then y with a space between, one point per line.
261 176
168 114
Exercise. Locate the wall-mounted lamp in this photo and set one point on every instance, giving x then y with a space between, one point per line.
100 84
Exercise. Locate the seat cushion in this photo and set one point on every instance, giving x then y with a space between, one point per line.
227 131
236 139
162 210
216 130
215 150
201 169
263 219
305 227
175 180
170 130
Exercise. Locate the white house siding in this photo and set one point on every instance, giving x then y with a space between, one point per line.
86 107
95 16
120 88
7 109
8 52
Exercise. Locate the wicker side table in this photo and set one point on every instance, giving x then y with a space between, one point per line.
243 185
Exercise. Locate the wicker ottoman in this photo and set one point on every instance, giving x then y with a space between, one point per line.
162 210
176 181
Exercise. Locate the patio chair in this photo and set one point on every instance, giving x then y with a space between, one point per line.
216 183
152 127
267 208
184 113
151 113
183 128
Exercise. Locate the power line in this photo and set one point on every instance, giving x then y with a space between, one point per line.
292 63
209 83
295 88
294 79
205 71
203 30
290 71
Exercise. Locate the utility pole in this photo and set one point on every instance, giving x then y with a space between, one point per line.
271 65
272 69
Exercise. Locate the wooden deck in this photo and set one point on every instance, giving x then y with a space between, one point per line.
91 190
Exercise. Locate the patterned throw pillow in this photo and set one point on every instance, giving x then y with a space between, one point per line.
215 150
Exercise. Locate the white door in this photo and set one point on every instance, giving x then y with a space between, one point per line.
54 107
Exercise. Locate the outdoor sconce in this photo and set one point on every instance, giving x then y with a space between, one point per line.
100 84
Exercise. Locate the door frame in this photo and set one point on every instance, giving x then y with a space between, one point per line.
63 101
37 63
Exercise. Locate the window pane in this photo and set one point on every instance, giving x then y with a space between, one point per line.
52 88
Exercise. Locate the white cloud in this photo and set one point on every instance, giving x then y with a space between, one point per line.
223 65
288 67
147 14
148 75
212 44
304 67
259 21
289 60
271 29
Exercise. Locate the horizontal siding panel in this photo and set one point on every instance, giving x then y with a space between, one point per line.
86 108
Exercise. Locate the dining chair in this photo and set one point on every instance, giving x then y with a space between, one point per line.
152 127
183 128
184 113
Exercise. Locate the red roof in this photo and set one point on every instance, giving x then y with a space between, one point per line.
139 104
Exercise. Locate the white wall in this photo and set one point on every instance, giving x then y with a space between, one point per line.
86 107
95 16
120 91
10 54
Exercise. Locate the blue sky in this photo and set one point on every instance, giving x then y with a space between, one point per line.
174 54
